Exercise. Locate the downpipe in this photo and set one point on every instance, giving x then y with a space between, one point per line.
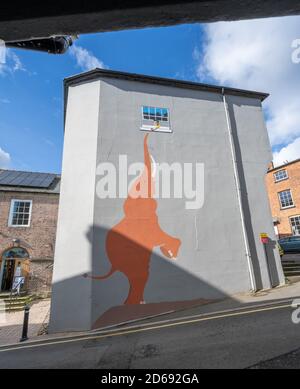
239 194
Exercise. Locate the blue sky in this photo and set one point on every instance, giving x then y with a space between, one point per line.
240 54
31 99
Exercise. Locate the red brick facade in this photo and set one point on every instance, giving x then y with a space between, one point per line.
282 216
38 239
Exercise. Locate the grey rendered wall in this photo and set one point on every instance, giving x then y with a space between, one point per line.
71 293
254 155
102 122
211 262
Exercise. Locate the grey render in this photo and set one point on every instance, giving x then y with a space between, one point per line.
102 122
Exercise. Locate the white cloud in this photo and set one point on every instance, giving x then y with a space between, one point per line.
85 59
288 153
4 159
49 142
11 64
257 55
5 101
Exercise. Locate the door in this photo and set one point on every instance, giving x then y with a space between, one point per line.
7 275
15 263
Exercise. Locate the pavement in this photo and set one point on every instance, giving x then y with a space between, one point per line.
11 323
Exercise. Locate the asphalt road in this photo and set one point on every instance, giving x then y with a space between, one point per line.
250 337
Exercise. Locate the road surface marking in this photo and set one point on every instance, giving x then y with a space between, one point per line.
149 328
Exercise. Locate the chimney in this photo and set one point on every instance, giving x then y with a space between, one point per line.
271 165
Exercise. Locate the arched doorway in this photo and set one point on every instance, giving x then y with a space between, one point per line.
14 263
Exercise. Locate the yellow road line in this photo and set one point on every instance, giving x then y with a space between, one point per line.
176 319
150 328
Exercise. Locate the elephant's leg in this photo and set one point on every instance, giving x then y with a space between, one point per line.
136 290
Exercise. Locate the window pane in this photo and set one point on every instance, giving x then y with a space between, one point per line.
155 114
158 112
165 112
285 198
295 223
280 175
21 213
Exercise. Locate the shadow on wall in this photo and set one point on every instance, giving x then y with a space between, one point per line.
134 268
160 283
168 287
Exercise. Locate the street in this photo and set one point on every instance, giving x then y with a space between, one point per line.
233 338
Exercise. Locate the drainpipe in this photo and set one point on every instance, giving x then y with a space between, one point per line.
239 194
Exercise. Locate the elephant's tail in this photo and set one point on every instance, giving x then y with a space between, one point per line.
147 162
112 270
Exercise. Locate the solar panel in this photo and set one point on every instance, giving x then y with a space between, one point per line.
26 179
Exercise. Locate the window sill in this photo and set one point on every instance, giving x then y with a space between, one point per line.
160 129
290 206
11 226
284 179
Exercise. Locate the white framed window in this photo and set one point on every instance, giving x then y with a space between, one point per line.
281 175
286 199
295 224
20 213
155 119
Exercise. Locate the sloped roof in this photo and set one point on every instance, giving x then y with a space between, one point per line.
106 73
14 180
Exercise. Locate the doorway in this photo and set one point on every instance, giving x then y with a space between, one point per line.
14 264
8 275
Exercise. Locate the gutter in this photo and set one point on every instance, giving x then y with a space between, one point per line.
97 74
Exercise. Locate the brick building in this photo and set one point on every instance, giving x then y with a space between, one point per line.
283 185
28 216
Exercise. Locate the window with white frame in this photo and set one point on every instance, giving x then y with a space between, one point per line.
285 198
155 119
20 213
295 224
280 175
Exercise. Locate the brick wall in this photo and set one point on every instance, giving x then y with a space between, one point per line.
39 282
292 183
38 239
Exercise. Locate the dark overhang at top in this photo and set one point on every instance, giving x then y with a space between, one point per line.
103 73
38 19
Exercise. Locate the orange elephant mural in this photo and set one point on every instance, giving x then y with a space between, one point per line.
129 243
